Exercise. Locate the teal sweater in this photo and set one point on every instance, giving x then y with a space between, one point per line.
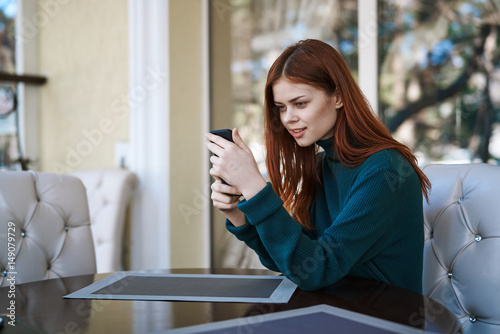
368 223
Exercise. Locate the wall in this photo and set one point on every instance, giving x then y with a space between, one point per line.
83 51
224 243
190 198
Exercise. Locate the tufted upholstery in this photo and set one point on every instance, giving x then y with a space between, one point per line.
52 234
108 192
462 243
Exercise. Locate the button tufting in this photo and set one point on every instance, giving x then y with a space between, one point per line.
450 274
472 318
4 273
23 234
48 266
460 200
478 237
66 228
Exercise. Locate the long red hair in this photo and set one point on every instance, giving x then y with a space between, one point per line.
358 133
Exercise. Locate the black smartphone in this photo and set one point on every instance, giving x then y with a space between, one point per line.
226 134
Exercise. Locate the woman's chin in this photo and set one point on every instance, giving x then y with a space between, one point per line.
303 142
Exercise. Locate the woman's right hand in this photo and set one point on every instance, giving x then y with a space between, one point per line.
225 198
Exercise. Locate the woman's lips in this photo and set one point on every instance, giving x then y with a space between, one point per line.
297 133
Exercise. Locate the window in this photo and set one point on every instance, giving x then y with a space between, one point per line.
439 69
9 134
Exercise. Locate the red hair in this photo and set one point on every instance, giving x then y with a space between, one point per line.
358 133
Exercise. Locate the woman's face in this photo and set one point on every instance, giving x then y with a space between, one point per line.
307 113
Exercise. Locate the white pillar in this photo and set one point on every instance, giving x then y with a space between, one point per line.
368 51
149 132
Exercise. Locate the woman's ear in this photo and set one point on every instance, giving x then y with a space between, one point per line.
338 100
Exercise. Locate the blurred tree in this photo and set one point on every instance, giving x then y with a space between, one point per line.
438 63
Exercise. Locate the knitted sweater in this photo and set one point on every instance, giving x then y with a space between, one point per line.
368 223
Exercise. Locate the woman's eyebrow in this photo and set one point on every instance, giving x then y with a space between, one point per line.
290 101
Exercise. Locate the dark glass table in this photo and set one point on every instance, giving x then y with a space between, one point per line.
39 305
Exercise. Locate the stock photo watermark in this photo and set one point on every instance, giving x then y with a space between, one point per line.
221 8
199 203
120 108
10 273
30 26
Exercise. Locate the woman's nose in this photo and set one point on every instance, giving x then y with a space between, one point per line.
289 115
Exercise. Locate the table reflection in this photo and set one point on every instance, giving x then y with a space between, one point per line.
41 305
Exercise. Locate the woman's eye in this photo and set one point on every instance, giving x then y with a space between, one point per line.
301 104
280 108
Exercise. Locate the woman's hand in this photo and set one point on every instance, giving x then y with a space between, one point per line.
225 198
235 163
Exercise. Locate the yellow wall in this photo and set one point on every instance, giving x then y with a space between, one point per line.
189 196
222 115
83 51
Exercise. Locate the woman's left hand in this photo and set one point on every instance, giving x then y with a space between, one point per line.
235 164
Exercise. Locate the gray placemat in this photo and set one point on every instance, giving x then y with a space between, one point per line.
189 287
315 319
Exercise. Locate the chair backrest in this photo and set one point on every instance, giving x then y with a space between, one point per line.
109 192
44 227
462 243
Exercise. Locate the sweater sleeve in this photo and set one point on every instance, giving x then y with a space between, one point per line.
248 234
351 238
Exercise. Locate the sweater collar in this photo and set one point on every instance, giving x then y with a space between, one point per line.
327 146
330 153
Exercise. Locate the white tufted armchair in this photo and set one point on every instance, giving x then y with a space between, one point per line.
47 219
109 192
462 246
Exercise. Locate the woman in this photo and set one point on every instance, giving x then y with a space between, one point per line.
353 208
